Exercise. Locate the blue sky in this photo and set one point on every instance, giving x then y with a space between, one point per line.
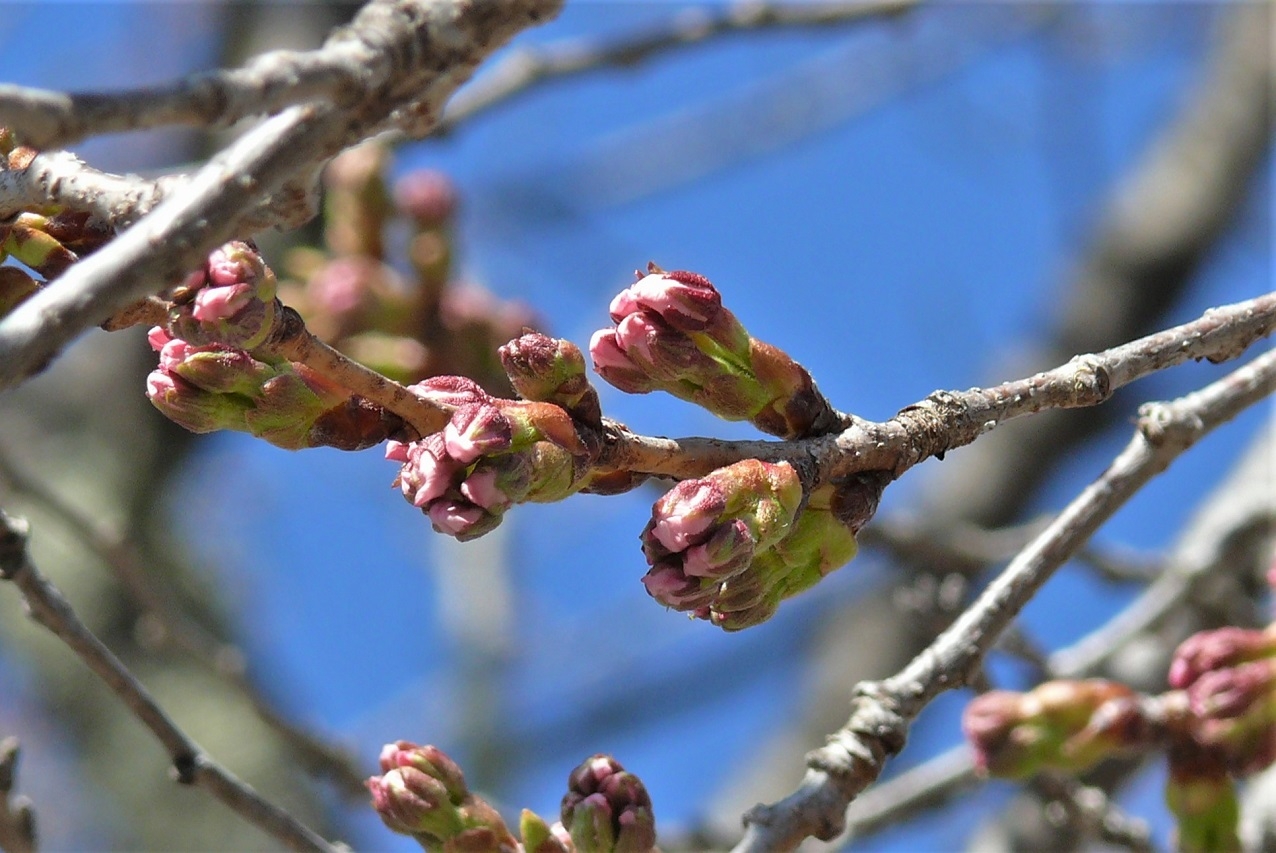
896 204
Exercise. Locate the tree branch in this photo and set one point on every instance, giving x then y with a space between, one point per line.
171 625
47 606
17 820
882 711
949 419
433 48
523 69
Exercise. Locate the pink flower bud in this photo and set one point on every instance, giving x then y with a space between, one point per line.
477 429
612 364
1211 650
221 303
427 471
428 759
450 392
684 300
461 519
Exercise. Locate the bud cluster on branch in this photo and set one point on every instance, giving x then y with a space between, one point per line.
1217 725
421 792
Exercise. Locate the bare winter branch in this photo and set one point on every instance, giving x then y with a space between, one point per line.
949 419
432 49
882 711
46 604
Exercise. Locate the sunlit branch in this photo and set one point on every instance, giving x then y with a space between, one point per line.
883 711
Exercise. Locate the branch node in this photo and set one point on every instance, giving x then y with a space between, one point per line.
184 767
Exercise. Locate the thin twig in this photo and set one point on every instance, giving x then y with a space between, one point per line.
159 610
883 711
530 66
431 48
47 606
950 419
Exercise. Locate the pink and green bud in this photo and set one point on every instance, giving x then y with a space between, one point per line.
668 584
1235 713
1223 647
414 803
551 370
1202 798
762 495
428 470
608 810
477 429
450 392
15 287
1065 725
614 365
192 407
673 334
684 300
230 301
461 519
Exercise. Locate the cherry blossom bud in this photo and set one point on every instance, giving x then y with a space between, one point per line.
763 496
608 810
230 302
673 334
1235 711
461 519
553 371
612 364
413 803
1066 725
450 392
1211 650
194 408
427 471
477 429
428 759
27 239
426 196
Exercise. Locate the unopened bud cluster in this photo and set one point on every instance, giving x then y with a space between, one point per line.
422 793
673 334
492 454
1065 725
1217 724
607 809
211 378
730 546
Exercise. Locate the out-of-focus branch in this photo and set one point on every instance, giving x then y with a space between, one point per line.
167 623
47 606
883 711
17 820
431 48
533 65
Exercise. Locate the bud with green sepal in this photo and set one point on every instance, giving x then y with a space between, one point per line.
422 793
673 334
230 301
540 837
1064 725
1234 712
607 809
552 370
